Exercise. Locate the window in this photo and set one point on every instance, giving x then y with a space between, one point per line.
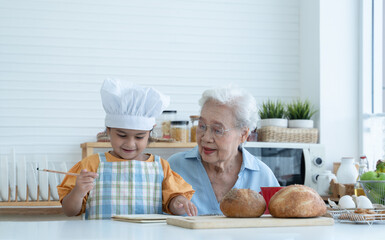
373 81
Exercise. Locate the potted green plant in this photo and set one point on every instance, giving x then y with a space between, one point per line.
299 113
272 113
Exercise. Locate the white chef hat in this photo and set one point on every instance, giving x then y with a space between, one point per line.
131 106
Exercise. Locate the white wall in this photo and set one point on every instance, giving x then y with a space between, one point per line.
339 74
55 54
330 58
338 77
310 54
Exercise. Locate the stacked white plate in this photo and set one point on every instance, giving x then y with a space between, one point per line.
32 180
4 180
43 179
16 176
53 180
21 173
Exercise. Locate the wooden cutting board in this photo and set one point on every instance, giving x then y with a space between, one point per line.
205 222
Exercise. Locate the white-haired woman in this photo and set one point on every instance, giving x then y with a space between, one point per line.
219 162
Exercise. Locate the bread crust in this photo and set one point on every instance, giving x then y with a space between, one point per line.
243 203
297 201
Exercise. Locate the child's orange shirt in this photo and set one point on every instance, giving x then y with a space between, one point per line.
172 184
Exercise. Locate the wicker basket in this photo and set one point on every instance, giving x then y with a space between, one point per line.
280 134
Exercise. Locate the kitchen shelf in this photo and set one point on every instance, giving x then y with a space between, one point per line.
13 206
30 204
88 147
31 208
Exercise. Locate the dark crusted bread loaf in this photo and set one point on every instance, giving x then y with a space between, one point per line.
244 203
297 201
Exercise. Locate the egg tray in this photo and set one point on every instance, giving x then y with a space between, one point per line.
349 216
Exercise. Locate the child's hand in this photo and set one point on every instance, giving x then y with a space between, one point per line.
72 203
84 182
180 205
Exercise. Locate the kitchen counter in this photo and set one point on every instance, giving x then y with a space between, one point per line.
109 229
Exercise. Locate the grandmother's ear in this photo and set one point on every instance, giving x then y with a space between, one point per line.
244 134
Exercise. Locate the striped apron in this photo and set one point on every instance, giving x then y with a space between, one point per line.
127 187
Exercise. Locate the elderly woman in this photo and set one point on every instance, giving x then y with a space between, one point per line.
219 162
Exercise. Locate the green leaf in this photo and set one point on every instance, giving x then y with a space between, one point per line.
299 109
272 109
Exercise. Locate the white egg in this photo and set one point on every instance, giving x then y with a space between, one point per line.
364 202
346 202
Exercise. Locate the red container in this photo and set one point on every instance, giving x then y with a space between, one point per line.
267 193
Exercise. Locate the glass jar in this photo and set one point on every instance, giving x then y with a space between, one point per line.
163 124
193 130
363 167
180 131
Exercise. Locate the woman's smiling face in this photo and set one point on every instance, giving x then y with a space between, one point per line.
214 148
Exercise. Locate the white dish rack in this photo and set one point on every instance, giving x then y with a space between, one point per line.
22 185
349 216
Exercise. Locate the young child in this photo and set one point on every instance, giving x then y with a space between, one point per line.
126 180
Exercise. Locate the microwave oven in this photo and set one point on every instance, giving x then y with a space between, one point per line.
291 163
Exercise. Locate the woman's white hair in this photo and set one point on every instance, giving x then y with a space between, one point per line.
242 103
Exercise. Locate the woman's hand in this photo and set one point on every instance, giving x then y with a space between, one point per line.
180 205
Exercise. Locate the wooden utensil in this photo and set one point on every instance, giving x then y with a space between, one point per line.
53 171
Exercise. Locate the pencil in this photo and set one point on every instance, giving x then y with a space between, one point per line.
53 171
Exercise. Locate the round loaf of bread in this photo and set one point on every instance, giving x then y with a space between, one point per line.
242 203
297 201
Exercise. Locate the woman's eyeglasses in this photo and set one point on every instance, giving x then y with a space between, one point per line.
216 129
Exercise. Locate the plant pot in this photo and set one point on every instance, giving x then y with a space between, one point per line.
276 122
301 123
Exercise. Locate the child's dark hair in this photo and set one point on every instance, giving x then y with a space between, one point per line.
150 139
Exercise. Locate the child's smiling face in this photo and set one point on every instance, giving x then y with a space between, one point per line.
128 144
